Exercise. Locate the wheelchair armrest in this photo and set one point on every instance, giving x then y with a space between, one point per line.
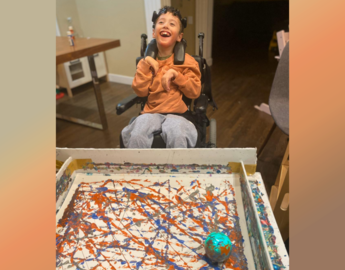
126 103
201 104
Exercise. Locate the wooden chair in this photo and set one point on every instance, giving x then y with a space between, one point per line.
279 106
282 39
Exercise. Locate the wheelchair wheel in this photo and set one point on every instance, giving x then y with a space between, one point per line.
213 133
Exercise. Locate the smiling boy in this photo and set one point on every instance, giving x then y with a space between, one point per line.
165 84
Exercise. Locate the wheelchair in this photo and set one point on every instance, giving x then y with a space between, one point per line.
200 104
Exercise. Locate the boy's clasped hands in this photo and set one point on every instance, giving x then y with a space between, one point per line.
167 78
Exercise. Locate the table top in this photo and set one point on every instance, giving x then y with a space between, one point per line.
82 47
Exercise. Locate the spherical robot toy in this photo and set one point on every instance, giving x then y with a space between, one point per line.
218 247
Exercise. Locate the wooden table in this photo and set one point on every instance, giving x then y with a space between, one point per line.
85 47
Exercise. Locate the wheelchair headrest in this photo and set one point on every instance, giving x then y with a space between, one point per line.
179 51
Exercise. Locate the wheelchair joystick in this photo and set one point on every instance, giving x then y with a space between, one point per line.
201 43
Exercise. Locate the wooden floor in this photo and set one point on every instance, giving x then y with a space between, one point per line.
242 76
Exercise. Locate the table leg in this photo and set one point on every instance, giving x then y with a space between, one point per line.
98 92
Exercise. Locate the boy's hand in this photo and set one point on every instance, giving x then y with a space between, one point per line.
153 63
168 77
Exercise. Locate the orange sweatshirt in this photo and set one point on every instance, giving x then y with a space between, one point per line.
159 100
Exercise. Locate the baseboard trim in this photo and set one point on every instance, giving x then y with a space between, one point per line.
120 79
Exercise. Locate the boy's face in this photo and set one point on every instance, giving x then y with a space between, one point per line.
167 30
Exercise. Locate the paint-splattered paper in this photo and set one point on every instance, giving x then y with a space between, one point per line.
64 181
148 224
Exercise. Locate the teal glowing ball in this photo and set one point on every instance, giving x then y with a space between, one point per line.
218 247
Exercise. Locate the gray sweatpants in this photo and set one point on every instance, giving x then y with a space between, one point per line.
177 132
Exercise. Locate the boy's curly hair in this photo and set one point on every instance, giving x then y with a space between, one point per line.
173 11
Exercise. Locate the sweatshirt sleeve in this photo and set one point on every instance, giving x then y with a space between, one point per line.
142 79
188 81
